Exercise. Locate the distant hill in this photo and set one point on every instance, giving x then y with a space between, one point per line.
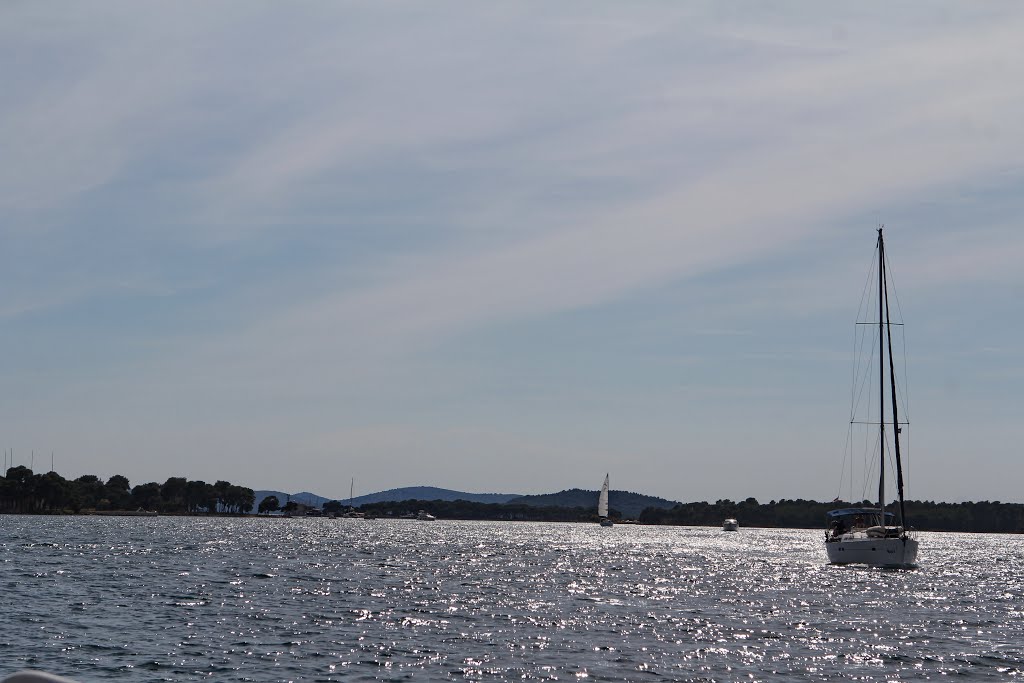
407 493
305 497
628 504
431 493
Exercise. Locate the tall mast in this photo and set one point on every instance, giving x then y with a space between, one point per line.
895 415
881 380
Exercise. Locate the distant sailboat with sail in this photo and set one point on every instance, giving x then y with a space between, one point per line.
602 504
352 513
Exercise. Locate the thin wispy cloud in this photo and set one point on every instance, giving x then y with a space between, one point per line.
737 209
245 225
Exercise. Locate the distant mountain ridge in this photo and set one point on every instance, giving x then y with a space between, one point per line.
431 493
626 503
407 493
304 497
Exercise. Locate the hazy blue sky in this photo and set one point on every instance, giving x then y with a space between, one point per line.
506 246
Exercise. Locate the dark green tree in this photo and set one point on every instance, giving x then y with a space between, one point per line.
89 490
223 489
21 487
244 498
200 496
118 493
173 493
51 491
146 496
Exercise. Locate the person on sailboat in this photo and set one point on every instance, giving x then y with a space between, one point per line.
838 528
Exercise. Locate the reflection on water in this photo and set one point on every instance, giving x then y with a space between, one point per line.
176 599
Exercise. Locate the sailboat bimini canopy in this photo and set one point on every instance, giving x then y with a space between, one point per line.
852 512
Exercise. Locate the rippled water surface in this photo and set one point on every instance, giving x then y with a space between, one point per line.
177 599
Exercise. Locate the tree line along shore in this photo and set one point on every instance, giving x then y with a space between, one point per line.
982 517
22 491
25 492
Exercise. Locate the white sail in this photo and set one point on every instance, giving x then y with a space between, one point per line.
602 501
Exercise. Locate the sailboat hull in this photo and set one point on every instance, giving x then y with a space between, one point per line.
897 553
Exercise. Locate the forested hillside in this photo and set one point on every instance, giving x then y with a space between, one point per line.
624 504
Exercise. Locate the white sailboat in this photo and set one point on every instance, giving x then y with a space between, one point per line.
602 504
352 513
875 536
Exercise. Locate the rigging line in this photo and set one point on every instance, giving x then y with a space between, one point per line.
855 441
858 348
901 390
891 462
863 369
865 383
847 452
906 460
866 291
906 376
870 462
891 469
895 417
862 358
905 394
854 372
892 280
867 460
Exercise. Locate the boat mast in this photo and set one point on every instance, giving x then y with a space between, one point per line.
881 381
895 415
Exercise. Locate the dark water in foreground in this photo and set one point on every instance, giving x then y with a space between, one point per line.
176 599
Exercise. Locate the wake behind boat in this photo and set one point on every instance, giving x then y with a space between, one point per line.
874 536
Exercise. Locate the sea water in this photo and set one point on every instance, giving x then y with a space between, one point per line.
219 599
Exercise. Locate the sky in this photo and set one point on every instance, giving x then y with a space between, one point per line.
507 247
